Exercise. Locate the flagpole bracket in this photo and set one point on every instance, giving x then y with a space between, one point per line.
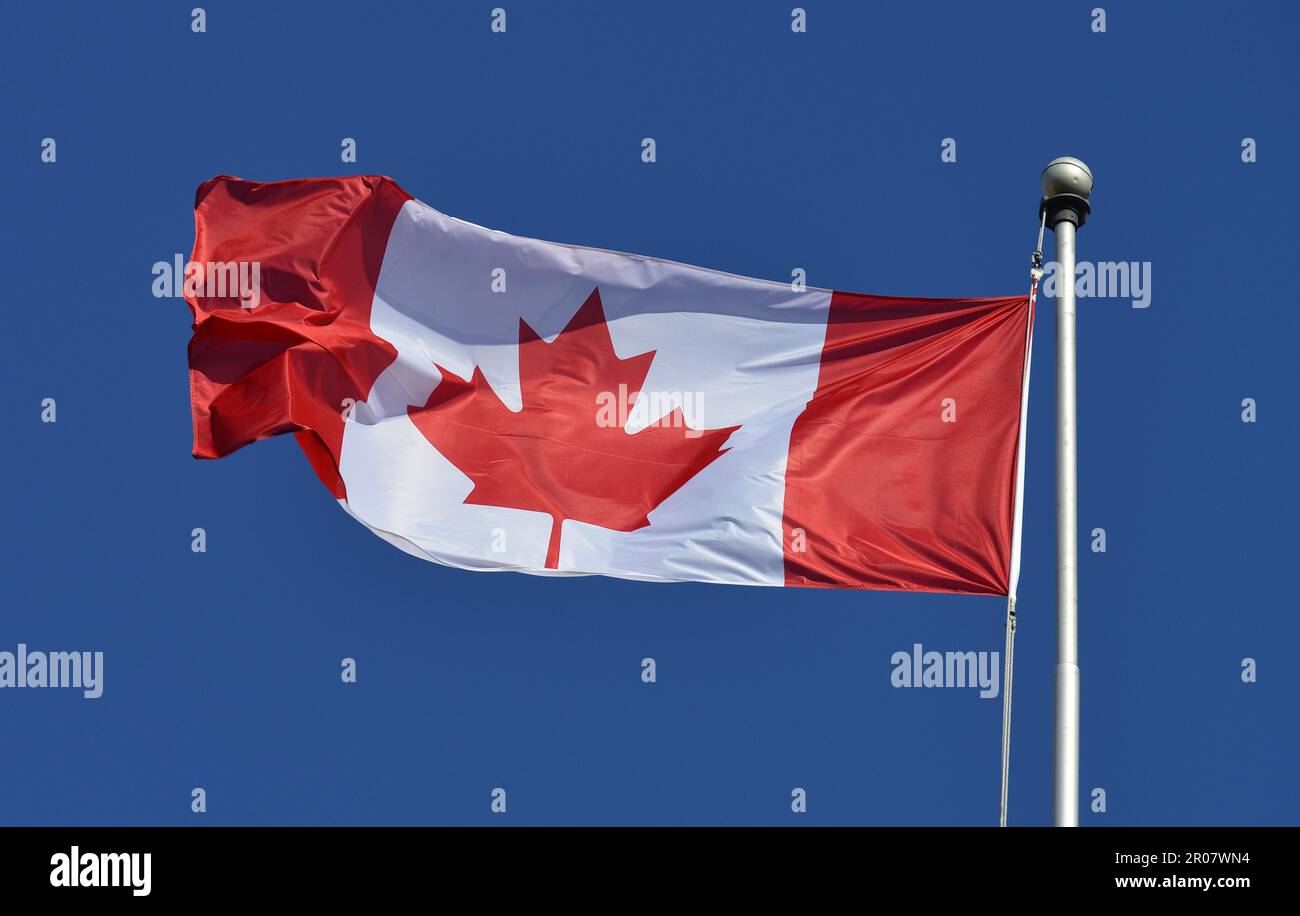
1060 208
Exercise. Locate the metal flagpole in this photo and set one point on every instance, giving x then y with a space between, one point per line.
1067 184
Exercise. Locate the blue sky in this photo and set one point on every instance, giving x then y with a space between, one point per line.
775 150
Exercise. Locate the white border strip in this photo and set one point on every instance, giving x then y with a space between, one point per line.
1014 579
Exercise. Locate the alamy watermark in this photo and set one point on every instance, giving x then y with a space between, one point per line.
1103 280
920 668
240 280
81 670
75 868
616 409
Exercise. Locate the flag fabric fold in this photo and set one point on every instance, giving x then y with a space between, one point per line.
492 402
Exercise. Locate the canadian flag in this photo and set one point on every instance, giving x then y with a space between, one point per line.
492 402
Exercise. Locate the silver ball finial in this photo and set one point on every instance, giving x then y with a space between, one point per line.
1067 175
1067 185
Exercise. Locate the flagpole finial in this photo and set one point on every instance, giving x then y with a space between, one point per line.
1067 187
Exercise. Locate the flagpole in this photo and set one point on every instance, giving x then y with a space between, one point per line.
1067 184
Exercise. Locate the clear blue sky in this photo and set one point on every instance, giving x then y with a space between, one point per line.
775 150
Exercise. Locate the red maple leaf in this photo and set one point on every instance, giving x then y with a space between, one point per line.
555 455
